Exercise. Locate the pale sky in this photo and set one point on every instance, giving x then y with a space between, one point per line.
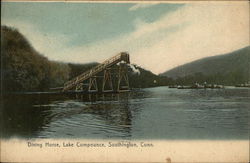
158 36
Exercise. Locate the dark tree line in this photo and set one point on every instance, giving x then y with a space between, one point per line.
25 69
230 78
147 79
228 69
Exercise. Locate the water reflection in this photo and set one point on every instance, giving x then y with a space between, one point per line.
42 115
113 109
154 113
19 118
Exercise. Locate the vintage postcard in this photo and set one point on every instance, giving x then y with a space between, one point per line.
125 81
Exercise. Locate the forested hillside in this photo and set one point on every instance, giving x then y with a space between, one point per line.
25 69
232 68
147 79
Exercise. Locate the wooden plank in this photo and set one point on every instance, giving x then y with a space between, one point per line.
106 64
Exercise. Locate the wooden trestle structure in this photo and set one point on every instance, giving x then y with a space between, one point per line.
111 76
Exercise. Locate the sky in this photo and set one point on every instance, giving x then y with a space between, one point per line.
158 36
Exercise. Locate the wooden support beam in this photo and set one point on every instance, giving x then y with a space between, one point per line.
108 64
79 87
93 85
123 77
107 79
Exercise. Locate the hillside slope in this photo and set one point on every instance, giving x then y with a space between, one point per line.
234 67
25 69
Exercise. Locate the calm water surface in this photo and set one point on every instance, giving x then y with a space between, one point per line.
153 113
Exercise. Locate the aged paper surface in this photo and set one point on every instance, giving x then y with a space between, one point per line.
162 151
138 150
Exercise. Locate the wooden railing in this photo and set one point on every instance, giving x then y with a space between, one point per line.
88 74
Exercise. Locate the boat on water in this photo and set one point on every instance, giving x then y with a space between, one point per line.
173 86
212 86
198 86
184 87
243 85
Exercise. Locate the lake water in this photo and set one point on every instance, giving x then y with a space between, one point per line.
152 113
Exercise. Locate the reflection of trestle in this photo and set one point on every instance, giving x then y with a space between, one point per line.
87 97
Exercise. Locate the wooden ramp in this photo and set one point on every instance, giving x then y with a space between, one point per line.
104 69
